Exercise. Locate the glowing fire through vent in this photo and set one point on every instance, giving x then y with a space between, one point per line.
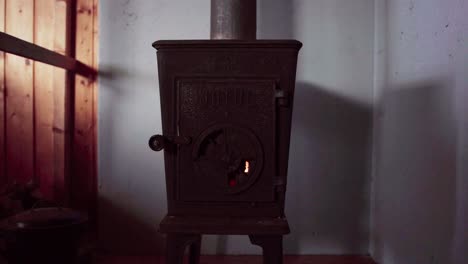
247 167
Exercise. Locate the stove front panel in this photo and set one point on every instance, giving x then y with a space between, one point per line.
232 126
233 100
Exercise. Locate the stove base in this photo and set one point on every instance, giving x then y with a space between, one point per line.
183 232
176 243
224 225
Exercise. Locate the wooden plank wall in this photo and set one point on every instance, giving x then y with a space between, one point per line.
3 178
62 103
48 116
19 116
84 134
44 34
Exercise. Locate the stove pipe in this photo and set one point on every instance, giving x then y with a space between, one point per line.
234 19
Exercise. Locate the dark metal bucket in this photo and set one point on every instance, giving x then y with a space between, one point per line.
44 235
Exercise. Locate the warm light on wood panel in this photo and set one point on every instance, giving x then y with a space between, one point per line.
95 95
83 180
44 16
40 104
20 94
3 178
62 97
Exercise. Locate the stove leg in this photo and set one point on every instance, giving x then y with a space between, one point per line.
176 245
195 247
272 247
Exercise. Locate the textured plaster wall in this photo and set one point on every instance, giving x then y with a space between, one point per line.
420 186
328 191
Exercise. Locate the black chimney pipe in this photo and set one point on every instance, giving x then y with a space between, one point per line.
234 19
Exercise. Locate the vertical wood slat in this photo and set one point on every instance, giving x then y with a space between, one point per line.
44 16
19 95
3 177
61 86
84 179
95 92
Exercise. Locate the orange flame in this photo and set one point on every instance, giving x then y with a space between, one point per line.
247 167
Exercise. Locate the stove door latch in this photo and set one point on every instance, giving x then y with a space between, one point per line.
280 185
159 142
282 98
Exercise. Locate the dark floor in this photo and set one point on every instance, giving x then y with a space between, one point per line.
247 260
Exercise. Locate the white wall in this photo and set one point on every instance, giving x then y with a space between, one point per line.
328 186
131 176
420 188
328 191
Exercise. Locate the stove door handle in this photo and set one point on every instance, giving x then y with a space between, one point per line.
159 142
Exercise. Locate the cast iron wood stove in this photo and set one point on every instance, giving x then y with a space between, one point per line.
226 116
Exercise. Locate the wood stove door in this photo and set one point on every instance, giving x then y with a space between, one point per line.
232 126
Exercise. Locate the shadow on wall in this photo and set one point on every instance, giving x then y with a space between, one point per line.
126 233
328 191
415 187
333 213
123 228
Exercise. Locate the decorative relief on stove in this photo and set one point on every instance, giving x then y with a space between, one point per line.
218 64
229 155
268 60
232 122
188 100
219 96
243 63
220 100
273 62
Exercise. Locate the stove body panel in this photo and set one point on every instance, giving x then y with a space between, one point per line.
233 101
